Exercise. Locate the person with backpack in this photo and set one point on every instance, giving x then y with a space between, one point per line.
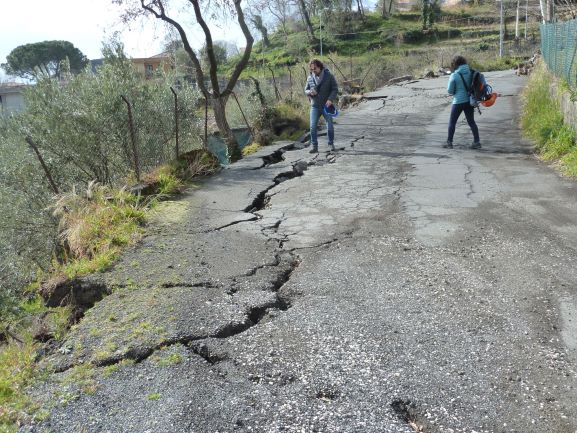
459 86
321 88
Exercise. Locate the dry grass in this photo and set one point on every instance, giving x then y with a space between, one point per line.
94 226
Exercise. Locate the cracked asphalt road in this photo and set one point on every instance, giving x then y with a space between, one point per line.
394 286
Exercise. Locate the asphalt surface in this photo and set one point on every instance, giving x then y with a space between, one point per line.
394 286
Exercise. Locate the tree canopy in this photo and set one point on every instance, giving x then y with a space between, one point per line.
43 59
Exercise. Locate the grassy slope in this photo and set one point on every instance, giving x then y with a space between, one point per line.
470 31
543 122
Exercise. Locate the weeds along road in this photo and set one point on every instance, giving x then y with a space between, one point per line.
392 287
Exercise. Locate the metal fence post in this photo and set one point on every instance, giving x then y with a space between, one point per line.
132 138
243 116
175 119
290 82
206 123
276 91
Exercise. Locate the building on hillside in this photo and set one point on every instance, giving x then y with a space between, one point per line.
95 64
148 65
12 97
145 66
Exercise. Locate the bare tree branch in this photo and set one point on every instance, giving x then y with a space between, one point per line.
197 68
246 56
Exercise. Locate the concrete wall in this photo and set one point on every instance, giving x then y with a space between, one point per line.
567 106
11 102
569 110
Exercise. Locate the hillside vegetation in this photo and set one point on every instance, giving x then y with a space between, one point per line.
371 49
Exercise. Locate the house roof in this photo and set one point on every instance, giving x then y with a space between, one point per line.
12 87
96 63
164 55
159 57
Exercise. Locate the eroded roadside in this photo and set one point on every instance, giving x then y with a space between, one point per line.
193 280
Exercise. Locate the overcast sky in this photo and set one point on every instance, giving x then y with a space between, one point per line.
84 23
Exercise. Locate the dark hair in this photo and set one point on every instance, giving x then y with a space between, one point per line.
318 63
458 61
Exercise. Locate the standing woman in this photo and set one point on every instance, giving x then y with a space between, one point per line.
321 88
459 82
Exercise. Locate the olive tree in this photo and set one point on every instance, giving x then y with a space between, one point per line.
81 132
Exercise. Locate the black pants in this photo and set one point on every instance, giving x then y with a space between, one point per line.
456 111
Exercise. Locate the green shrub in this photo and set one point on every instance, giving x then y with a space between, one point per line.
18 371
168 178
569 163
561 141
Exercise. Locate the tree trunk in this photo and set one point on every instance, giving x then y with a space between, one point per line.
384 9
361 10
259 25
219 107
265 40
308 24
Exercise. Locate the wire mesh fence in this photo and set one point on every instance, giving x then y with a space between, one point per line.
110 137
559 47
155 132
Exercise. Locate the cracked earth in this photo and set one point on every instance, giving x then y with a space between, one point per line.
391 286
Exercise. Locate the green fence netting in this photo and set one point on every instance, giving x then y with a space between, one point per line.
218 148
559 47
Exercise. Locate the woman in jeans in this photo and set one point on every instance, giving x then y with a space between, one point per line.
461 75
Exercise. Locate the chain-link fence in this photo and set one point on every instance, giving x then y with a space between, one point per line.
559 48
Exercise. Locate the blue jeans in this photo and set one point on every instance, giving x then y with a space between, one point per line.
456 111
314 119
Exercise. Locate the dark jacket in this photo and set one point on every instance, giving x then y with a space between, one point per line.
326 88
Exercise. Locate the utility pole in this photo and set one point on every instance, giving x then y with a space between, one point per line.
501 32
517 22
526 16
321 30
